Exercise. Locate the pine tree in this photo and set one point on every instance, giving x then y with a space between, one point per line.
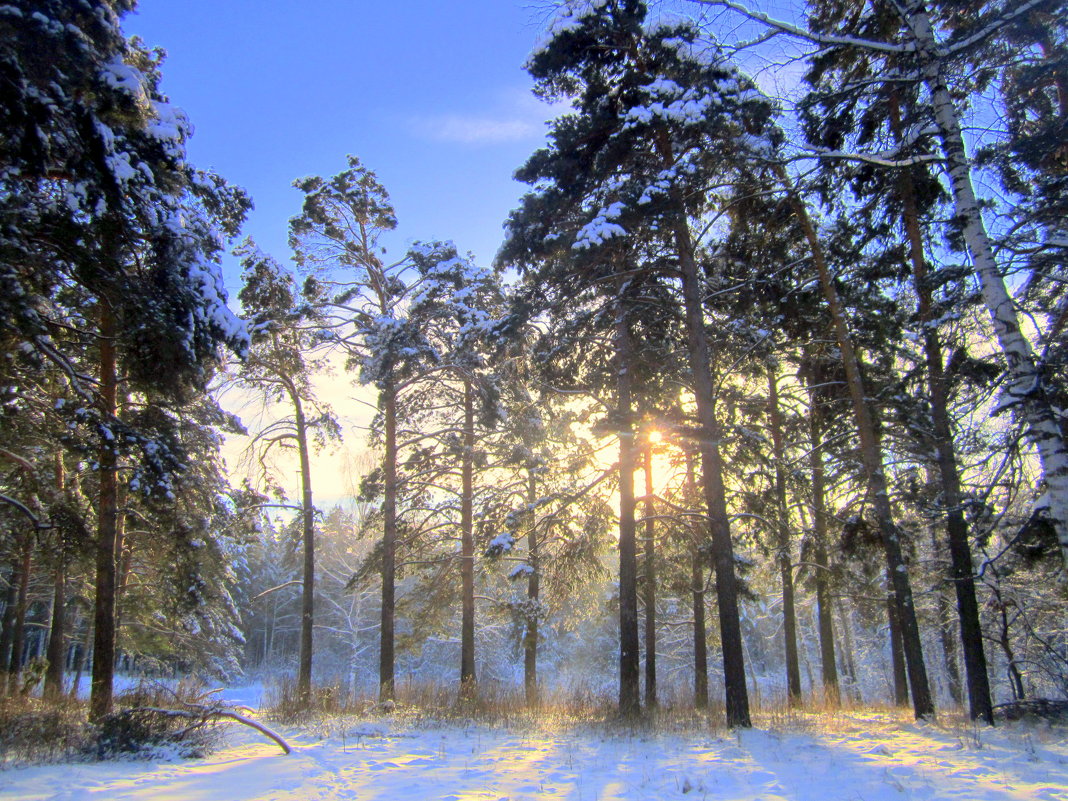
337 236
655 118
280 365
102 205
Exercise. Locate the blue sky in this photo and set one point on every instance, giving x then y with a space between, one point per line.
430 95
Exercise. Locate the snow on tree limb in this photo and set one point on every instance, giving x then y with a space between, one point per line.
809 36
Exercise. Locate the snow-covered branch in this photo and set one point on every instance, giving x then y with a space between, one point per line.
809 36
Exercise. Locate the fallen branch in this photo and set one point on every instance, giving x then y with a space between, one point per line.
203 714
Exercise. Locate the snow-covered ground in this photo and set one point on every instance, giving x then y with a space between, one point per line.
852 756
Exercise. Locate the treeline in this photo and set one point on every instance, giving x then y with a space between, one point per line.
856 378
737 355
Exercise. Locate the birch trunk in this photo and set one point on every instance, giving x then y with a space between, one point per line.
1026 393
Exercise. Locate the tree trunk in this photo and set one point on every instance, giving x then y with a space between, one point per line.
53 684
18 638
307 596
945 456
467 549
530 636
7 632
789 614
1026 392
629 690
824 611
386 681
650 583
81 657
871 455
849 666
102 693
1004 636
737 697
949 647
897 653
697 580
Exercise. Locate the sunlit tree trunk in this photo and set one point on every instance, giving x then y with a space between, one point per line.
386 681
307 595
629 689
648 553
530 635
697 581
467 549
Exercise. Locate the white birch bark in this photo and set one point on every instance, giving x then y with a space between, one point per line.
1025 394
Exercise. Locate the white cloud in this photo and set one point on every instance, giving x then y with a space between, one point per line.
477 129
515 116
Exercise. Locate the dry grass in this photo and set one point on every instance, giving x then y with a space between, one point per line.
34 731
335 711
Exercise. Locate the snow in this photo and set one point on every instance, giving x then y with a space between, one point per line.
520 571
601 228
119 75
169 123
569 16
875 756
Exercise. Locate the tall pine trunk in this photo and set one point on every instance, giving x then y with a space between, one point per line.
18 638
737 696
629 690
307 596
824 609
53 683
697 580
7 627
101 699
648 554
530 635
386 680
467 549
872 458
897 653
979 703
789 614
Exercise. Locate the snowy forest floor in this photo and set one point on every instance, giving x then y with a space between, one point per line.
873 755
